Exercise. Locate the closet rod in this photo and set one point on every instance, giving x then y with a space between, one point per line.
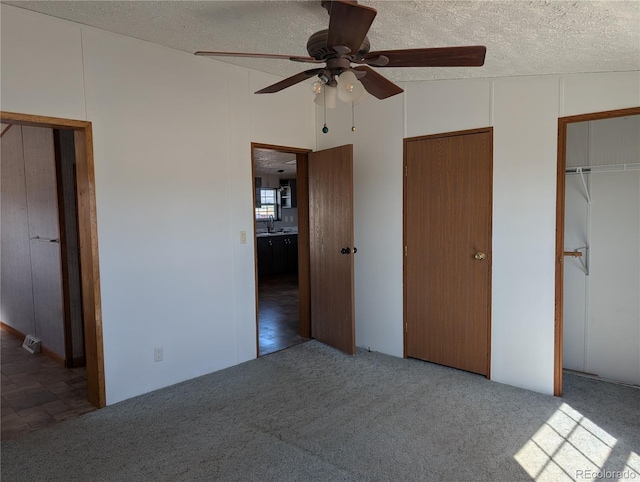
604 168
573 254
578 254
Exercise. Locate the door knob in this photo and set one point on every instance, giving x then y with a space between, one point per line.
345 250
480 255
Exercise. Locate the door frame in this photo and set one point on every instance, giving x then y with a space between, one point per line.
404 234
88 237
563 122
304 278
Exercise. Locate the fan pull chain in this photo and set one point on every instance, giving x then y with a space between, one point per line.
353 117
325 129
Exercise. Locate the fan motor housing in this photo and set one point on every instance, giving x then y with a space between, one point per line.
318 49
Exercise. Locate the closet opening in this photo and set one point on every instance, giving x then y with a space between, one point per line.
598 233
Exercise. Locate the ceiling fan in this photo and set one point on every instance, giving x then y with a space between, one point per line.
345 42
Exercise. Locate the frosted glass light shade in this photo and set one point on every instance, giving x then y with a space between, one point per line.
350 89
327 97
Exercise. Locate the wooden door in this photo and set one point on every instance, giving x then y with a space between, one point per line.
447 269
331 247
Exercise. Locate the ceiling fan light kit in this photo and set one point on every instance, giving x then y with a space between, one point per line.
327 97
345 43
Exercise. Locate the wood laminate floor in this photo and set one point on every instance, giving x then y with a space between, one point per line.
278 313
36 391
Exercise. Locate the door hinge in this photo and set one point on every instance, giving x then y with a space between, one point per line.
405 250
406 328
405 170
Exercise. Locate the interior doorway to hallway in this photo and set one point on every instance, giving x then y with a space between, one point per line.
277 215
80 142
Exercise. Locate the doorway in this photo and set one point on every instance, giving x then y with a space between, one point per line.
447 242
280 216
80 141
596 330
41 294
325 244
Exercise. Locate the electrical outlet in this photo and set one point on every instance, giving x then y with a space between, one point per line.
243 237
157 354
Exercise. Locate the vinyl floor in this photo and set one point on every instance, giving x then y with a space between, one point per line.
36 391
278 313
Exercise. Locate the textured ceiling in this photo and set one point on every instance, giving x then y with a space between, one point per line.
522 37
269 162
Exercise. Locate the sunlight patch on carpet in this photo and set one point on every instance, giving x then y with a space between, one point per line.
568 446
633 466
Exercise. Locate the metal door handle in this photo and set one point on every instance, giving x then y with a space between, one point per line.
345 250
45 240
355 250
480 256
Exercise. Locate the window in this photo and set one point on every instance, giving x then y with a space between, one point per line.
269 205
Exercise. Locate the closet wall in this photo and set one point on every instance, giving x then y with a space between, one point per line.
602 308
30 272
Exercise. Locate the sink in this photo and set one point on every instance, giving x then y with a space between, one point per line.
278 233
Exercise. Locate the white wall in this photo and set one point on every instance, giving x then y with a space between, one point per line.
524 113
602 310
172 155
576 212
377 154
41 65
523 292
587 93
614 342
172 136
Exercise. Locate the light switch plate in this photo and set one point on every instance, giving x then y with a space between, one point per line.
243 237
158 354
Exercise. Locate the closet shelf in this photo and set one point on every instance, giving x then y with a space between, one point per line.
635 166
582 170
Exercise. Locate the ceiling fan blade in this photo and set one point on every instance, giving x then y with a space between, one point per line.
295 58
349 24
471 56
376 84
289 81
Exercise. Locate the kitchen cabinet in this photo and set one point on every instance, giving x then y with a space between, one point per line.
292 254
289 194
277 254
264 255
257 182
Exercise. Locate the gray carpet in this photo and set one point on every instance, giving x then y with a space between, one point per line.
312 413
